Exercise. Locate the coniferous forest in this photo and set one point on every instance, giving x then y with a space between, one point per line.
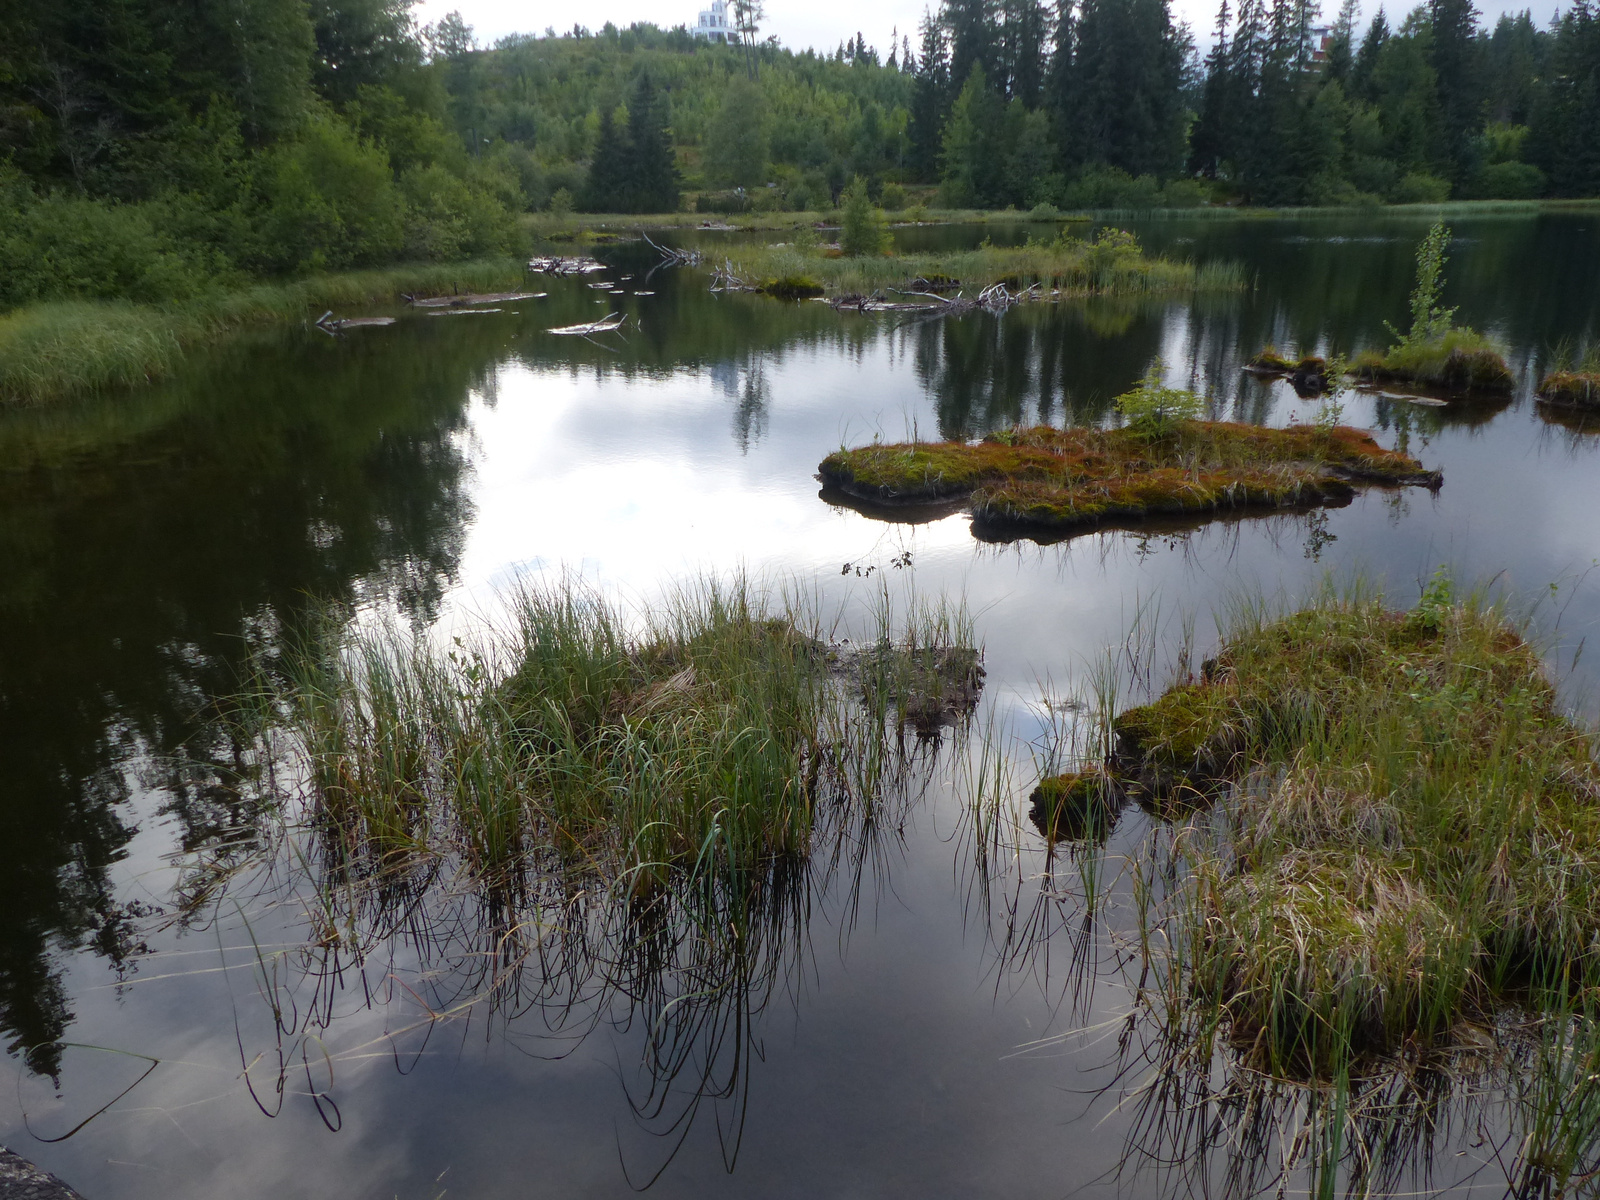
155 149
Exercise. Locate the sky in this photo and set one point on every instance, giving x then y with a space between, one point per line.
822 24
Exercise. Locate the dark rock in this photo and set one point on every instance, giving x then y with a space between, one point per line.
21 1180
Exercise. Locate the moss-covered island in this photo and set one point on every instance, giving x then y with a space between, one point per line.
1572 389
1052 481
1412 836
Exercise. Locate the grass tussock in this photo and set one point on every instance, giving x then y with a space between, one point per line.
1460 361
1410 836
54 350
588 752
1113 264
1572 389
1054 480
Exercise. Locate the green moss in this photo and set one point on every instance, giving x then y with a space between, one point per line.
1050 479
792 287
1572 389
1412 835
1076 807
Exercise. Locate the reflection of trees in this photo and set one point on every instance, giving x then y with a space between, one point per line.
134 556
985 372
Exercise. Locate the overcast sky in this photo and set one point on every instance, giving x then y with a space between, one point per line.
819 23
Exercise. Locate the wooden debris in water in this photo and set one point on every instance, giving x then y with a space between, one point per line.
466 312
471 299
557 264
328 324
607 324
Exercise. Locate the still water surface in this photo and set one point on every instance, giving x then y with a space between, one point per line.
898 1045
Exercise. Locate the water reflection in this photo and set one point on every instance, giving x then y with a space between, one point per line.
146 541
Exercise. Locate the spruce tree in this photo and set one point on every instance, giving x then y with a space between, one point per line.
1022 39
1125 91
974 38
652 178
607 189
1454 54
1210 141
930 102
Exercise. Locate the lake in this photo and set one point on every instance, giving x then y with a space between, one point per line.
932 1015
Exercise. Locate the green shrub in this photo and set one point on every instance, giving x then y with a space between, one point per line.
864 232
58 247
893 198
1418 187
332 200
1508 181
1153 408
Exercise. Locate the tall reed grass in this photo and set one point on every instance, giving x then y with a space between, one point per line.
54 350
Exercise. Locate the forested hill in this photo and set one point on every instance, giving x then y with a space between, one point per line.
161 149
1094 102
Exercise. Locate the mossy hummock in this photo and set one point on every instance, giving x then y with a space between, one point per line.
1461 363
1307 375
1572 389
1412 833
1051 480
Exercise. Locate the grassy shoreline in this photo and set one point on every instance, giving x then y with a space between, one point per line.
1113 264
546 224
51 351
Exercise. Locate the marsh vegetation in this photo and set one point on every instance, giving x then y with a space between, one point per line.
1163 462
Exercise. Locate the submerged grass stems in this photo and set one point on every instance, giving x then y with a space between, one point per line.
602 814
54 350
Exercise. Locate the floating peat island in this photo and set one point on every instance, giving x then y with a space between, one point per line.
1308 376
1572 389
1056 481
1412 837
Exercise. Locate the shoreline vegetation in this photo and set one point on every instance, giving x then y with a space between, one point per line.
1113 263
1164 462
560 227
57 349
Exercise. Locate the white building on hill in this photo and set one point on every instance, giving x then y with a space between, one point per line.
714 26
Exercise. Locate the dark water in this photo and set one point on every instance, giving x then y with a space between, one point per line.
900 1044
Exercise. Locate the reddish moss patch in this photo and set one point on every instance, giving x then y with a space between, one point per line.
1053 479
1573 389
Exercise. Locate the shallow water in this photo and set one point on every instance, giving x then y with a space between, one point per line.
425 468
